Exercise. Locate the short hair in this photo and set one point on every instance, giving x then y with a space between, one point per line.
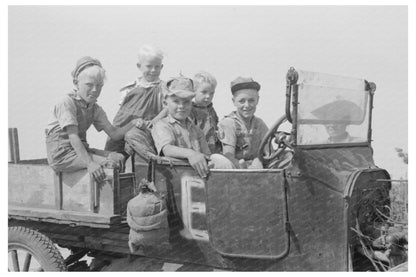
149 51
204 77
89 70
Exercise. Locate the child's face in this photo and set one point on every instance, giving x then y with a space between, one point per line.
89 85
204 94
246 100
178 108
150 68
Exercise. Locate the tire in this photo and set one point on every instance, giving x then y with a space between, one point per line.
30 250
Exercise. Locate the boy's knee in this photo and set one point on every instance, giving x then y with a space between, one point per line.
221 162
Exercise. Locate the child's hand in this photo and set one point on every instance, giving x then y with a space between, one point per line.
199 163
117 158
242 164
97 171
152 122
139 123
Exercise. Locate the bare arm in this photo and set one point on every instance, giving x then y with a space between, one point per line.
117 133
196 159
93 167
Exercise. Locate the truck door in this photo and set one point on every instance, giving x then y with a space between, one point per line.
247 213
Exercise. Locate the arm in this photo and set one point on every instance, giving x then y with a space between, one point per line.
196 159
117 133
93 167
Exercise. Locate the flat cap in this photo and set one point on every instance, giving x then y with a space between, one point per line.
244 83
83 63
180 86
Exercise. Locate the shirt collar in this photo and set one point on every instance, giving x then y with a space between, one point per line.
145 84
202 107
81 101
347 138
235 115
172 120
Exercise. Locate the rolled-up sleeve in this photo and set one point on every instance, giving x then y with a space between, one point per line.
162 135
66 113
226 132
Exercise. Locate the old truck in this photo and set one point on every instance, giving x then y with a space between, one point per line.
317 205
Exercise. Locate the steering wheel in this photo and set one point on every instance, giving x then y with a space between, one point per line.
267 154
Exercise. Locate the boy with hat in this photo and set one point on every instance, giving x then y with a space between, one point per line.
241 131
143 98
203 113
176 136
67 147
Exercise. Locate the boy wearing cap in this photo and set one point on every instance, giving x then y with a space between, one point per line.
143 98
203 113
241 131
67 147
176 136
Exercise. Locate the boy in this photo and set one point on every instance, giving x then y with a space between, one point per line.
241 132
176 136
142 98
66 143
203 113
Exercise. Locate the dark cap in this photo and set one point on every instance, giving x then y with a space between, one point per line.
340 110
83 63
244 83
180 86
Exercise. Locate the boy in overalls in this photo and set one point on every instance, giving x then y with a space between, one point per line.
67 147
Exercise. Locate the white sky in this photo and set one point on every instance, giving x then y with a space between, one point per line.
263 42
367 42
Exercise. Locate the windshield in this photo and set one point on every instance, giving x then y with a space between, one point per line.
331 109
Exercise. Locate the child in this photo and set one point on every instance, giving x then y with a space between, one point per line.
142 98
66 143
176 136
241 132
203 113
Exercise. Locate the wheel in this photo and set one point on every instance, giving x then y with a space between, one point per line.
30 250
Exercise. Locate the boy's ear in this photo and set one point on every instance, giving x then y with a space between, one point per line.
161 66
164 102
138 65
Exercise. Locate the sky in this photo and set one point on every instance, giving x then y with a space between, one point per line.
368 42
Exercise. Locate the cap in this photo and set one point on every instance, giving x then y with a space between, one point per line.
342 110
180 86
244 83
83 63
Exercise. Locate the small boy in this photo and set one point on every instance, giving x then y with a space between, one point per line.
176 136
203 113
241 132
143 98
66 142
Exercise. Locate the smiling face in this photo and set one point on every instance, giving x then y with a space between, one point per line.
204 94
89 83
246 100
178 108
150 68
